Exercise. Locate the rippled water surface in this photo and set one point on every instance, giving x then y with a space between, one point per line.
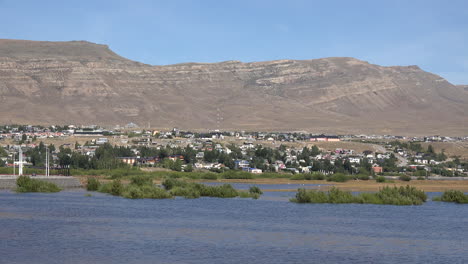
68 227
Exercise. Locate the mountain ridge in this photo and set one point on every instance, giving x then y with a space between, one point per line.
81 82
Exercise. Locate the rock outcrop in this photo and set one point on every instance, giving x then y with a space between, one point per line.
83 83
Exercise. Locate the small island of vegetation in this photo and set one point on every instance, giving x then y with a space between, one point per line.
141 187
388 195
452 196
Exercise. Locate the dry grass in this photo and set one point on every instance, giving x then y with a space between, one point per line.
450 148
362 186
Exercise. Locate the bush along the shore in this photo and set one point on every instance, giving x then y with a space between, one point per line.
388 195
404 178
452 196
338 177
380 179
93 184
195 190
26 184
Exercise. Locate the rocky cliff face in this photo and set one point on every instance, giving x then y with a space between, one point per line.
82 83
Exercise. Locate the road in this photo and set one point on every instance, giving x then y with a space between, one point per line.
402 161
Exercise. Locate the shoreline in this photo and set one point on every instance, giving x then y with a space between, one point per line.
352 185
357 186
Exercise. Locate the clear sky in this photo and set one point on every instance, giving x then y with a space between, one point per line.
428 33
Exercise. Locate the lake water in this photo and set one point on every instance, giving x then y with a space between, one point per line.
68 227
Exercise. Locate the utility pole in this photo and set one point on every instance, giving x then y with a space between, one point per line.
20 162
47 162
14 172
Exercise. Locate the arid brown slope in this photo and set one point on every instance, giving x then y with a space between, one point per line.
80 82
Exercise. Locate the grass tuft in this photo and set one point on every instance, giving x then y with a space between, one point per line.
93 184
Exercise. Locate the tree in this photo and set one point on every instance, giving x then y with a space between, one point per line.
430 149
188 168
3 153
441 157
314 151
416 147
64 156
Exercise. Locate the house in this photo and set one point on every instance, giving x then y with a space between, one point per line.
240 164
333 138
248 145
377 169
324 138
101 141
131 125
280 164
255 171
419 160
149 161
176 157
128 160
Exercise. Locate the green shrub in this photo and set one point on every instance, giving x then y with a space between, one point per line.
401 195
153 192
223 191
141 180
116 188
404 178
26 184
189 193
244 194
93 184
255 190
274 175
188 168
105 187
298 177
380 179
387 195
338 177
209 176
421 178
133 192
420 173
452 196
318 176
237 175
363 177
171 183
310 196
308 176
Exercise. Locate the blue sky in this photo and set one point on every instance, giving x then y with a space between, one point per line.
430 34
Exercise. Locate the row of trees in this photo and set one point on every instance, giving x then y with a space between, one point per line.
106 157
428 153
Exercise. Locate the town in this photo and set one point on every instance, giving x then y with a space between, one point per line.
68 148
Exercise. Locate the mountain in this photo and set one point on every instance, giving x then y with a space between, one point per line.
79 82
463 87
